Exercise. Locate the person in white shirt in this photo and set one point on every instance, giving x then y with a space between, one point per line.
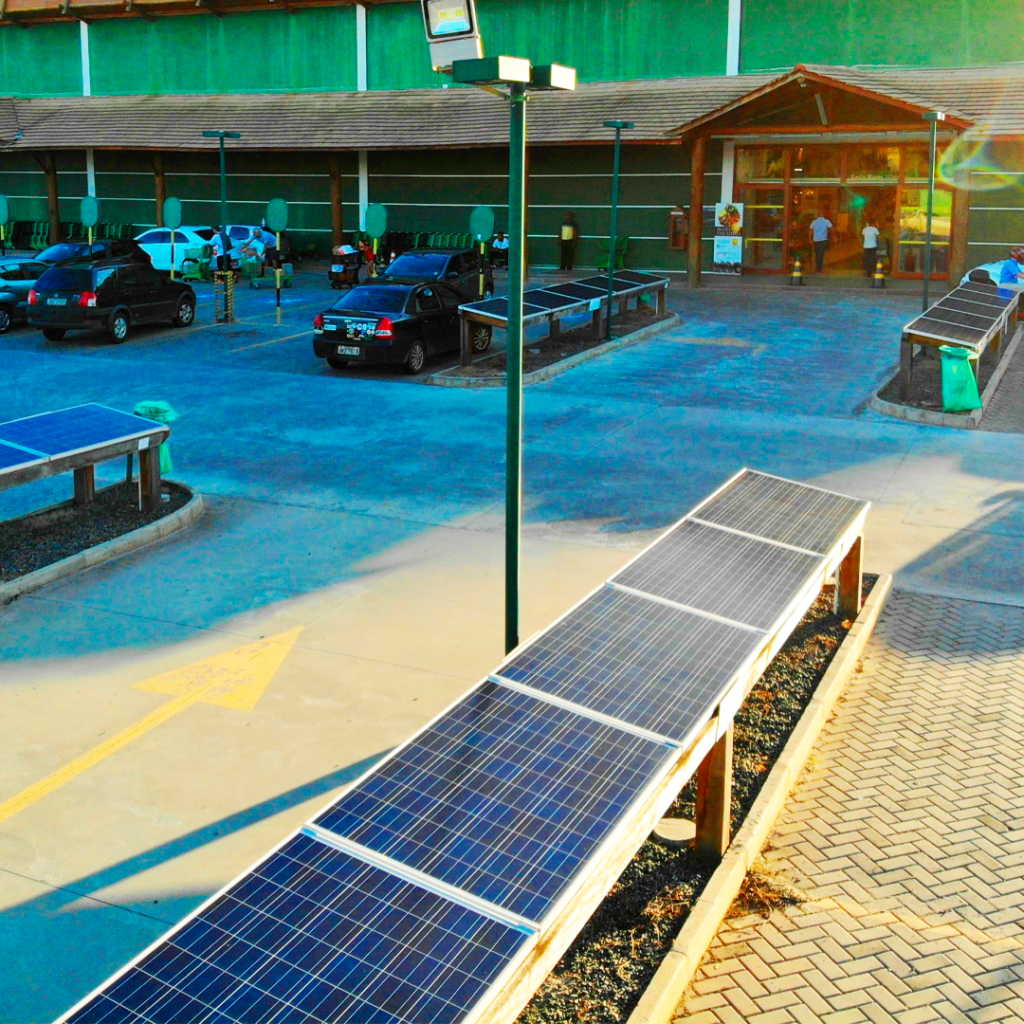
820 228
870 233
499 251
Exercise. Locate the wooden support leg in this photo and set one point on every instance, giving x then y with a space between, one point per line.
465 343
149 476
623 307
714 801
597 324
906 368
85 485
994 347
661 302
555 329
849 582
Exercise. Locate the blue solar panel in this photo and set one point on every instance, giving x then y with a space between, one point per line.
646 663
740 578
68 430
313 934
506 796
11 457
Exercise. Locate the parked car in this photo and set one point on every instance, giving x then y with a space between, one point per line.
17 278
157 244
399 324
459 268
107 295
79 250
993 271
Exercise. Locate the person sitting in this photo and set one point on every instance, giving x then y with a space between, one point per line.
1011 272
499 251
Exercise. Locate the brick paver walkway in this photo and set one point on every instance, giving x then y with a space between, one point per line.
1005 412
906 832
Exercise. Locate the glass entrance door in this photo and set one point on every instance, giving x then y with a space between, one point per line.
764 223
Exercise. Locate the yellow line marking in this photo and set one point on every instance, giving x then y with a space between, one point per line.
235 679
273 341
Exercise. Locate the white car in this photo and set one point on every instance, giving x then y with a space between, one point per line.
992 269
157 242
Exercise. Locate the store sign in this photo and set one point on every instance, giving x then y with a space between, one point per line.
728 255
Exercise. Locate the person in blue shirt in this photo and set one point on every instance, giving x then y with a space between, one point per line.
1012 272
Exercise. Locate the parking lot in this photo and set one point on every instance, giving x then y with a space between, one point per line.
356 523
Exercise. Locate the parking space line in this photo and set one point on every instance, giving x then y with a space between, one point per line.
273 341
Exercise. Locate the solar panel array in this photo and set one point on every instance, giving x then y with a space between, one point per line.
54 435
417 892
968 316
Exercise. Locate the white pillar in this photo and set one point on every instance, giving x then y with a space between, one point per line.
90 172
728 170
732 43
361 48
364 186
83 38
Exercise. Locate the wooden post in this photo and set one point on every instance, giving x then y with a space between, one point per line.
334 166
160 187
958 255
714 801
85 485
848 582
52 196
149 478
554 328
465 342
597 324
662 296
623 307
906 367
698 159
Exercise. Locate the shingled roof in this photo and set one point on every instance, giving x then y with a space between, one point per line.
464 117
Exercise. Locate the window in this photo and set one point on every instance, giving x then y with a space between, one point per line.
12 272
873 163
59 278
417 265
915 162
158 237
128 277
149 277
762 164
427 301
450 298
818 162
373 298
239 231
180 239
103 276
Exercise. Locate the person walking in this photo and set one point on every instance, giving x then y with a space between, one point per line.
568 237
870 234
821 228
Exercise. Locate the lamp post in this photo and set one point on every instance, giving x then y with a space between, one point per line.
520 78
222 135
934 117
618 126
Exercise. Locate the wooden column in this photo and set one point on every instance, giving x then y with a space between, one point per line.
958 227
334 166
149 478
85 485
849 582
160 187
554 328
52 196
465 342
698 159
714 801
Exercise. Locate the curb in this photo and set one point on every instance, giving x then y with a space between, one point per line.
547 372
958 421
661 997
105 552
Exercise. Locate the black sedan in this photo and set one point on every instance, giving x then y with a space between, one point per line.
458 268
400 324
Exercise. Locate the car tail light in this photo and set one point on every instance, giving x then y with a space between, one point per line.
318 322
87 299
385 328
33 297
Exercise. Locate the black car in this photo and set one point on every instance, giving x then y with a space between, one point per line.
459 268
17 278
80 250
399 324
109 296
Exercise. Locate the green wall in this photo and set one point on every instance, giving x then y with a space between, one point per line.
997 202
45 60
273 51
937 33
605 40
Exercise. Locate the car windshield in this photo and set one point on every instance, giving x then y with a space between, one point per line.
59 278
373 298
61 251
421 265
206 234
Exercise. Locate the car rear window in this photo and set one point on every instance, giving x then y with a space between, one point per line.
60 278
419 265
206 234
373 299
60 251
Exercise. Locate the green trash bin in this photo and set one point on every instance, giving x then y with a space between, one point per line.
959 386
162 412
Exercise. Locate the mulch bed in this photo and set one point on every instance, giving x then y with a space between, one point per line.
537 355
926 384
605 971
45 537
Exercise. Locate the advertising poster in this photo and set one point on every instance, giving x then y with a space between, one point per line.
728 254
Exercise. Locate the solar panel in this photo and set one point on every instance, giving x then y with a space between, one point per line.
941 330
740 578
637 277
314 934
548 299
575 290
498 308
641 661
602 283
69 430
951 312
783 511
988 291
11 457
973 301
505 797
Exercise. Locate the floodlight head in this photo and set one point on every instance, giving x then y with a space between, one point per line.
619 124
554 76
491 71
452 31
934 115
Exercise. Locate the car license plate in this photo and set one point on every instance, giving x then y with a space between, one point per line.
338 268
330 327
56 302
348 350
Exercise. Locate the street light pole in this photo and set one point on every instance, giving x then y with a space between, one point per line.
613 230
933 116
222 135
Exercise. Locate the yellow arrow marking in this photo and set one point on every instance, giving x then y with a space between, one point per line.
235 679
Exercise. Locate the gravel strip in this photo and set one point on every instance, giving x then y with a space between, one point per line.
926 383
605 971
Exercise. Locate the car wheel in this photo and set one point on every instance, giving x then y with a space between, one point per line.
53 333
5 319
416 359
336 364
481 338
186 312
118 328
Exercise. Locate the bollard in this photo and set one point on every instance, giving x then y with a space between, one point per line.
224 296
879 281
797 277
277 282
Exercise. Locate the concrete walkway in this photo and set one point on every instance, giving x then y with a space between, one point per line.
906 834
